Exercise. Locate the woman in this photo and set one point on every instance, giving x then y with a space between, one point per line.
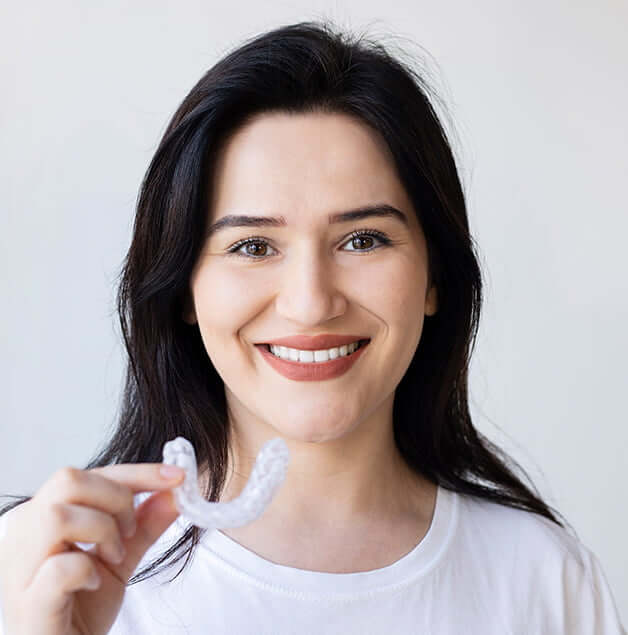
303 198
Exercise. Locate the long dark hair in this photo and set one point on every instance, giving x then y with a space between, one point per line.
171 387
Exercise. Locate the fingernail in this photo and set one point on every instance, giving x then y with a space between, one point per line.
170 472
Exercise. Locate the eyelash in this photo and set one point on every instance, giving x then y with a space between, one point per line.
233 250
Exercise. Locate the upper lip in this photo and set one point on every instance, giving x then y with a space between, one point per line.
315 342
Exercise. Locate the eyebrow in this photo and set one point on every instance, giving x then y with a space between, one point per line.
368 211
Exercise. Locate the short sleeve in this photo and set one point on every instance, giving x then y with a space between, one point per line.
589 606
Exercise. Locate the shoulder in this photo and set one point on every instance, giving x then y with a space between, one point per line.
513 530
545 566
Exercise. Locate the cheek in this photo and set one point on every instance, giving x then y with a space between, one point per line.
398 300
396 292
224 297
225 301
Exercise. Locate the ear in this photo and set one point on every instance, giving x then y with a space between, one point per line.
431 301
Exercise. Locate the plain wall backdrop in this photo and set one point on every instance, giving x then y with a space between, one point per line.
538 96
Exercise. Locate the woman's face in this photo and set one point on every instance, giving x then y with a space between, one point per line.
305 275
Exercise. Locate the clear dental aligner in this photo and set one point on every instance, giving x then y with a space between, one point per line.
267 476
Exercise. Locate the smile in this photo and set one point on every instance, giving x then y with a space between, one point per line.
315 357
303 365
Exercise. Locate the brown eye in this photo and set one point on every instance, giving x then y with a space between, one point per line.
362 242
256 249
252 248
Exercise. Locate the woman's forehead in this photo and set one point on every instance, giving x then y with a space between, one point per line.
310 161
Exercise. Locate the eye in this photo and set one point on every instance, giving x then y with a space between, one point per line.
361 236
258 253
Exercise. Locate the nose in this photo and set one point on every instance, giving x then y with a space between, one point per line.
309 292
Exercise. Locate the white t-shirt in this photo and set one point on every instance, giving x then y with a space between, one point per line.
481 568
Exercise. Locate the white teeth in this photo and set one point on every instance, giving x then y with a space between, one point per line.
313 356
306 356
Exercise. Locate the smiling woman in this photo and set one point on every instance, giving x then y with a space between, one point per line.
301 267
314 274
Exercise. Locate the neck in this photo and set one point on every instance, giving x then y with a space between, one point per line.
357 480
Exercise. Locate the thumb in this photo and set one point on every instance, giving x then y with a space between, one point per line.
153 517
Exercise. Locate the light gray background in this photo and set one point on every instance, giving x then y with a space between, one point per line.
538 94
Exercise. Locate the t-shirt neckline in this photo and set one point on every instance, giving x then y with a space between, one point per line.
248 565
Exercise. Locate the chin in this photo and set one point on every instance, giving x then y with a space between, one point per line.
315 430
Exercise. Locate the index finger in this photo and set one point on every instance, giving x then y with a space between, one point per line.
141 477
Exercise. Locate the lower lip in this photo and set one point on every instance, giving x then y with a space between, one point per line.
311 371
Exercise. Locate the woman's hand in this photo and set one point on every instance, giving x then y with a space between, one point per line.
47 584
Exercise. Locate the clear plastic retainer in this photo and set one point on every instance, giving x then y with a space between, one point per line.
266 477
